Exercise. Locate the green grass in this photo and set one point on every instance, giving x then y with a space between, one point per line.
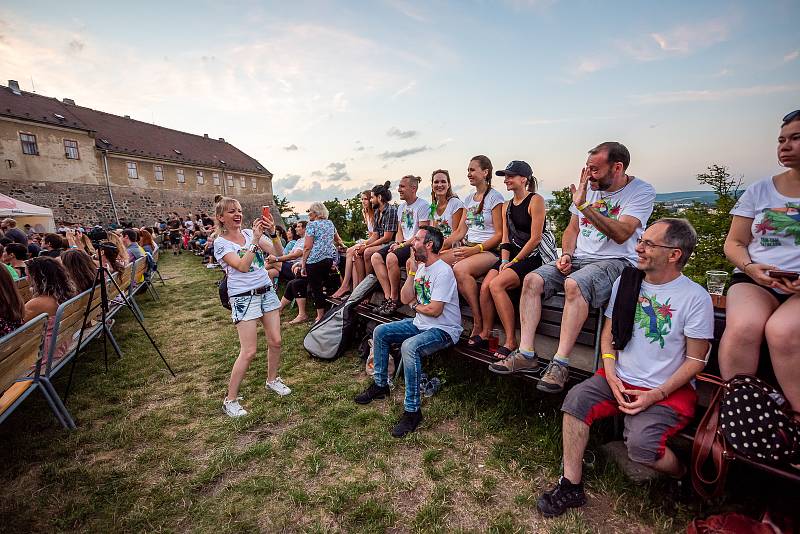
155 453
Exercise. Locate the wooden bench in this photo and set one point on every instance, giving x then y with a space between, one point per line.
24 288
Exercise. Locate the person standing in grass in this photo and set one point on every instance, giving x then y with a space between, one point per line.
241 253
431 290
648 366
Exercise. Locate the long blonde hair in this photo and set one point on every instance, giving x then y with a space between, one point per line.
219 210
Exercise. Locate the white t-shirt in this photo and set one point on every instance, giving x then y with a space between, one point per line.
437 282
189 224
776 225
239 282
444 222
665 316
409 216
635 200
480 226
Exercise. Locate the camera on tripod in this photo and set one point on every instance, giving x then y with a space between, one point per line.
97 235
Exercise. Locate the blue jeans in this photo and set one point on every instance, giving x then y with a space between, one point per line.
415 344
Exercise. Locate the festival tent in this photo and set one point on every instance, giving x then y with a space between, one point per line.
40 219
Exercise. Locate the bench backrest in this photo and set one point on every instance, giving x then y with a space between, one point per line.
24 288
20 350
138 268
68 321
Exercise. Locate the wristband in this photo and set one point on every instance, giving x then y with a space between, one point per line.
584 206
503 261
746 265
401 245
609 356
480 246
515 260
412 273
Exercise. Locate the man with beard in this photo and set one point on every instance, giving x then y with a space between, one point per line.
432 292
386 223
609 213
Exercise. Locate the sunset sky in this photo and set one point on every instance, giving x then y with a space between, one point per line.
333 97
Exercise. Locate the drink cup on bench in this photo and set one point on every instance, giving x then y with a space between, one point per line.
494 340
715 282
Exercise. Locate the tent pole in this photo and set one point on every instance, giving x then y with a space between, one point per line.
108 184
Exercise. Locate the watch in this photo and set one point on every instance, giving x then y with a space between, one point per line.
414 306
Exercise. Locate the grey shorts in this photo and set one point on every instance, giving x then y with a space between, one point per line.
251 307
645 433
594 278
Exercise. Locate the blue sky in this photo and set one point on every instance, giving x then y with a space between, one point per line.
334 96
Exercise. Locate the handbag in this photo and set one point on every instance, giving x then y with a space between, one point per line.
223 292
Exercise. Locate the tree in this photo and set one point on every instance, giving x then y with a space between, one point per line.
284 207
337 214
558 212
712 224
660 211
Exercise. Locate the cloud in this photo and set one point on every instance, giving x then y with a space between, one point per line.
76 45
286 183
359 148
408 10
404 153
402 134
290 148
403 90
338 172
317 192
791 56
683 39
709 95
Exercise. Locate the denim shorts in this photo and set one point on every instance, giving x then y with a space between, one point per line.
251 307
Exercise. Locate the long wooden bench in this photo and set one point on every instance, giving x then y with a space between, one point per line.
24 288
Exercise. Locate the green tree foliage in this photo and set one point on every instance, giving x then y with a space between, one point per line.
660 211
285 207
558 212
346 216
712 223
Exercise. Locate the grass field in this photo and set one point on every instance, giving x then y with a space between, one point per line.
156 453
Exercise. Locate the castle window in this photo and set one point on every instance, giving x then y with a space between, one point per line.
215 177
158 171
181 176
200 178
133 172
242 182
230 180
71 149
29 146
253 183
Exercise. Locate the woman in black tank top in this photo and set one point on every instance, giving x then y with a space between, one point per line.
523 225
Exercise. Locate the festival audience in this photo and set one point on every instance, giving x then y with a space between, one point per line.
115 238
50 287
411 214
447 210
10 230
110 257
12 308
609 212
15 255
252 297
648 366
52 245
763 300
6 266
319 254
80 267
430 289
351 277
385 228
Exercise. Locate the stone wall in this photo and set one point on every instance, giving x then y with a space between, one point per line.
90 204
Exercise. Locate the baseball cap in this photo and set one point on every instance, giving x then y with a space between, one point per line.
517 168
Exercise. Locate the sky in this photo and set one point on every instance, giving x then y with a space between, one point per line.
334 97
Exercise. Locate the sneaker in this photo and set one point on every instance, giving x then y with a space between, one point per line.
278 387
388 308
514 363
407 424
233 408
374 391
558 500
554 378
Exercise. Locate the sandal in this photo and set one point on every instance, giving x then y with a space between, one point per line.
477 342
390 306
502 353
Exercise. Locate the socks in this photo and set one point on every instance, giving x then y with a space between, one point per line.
561 360
528 354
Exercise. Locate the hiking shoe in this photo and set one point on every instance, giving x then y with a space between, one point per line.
558 500
554 378
388 308
232 408
408 423
278 387
374 391
515 362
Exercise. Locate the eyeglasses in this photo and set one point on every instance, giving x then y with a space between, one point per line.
791 116
649 244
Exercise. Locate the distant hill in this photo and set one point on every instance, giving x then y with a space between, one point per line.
704 197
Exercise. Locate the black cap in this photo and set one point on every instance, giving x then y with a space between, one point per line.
517 168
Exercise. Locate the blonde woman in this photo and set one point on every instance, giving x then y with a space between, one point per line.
241 254
319 254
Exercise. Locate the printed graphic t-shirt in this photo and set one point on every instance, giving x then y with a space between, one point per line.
665 316
635 200
239 282
444 222
776 225
480 226
409 216
437 282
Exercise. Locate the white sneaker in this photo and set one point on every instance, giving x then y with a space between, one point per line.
278 387
233 408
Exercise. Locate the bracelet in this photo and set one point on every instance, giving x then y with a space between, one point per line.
584 206
663 393
515 260
480 246
609 356
744 269
401 245
503 261
412 273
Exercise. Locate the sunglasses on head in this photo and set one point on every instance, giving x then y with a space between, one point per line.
791 116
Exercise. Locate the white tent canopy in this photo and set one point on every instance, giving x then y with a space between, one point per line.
40 219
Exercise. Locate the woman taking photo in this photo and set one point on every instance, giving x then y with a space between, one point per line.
319 254
484 231
241 254
447 210
351 277
764 296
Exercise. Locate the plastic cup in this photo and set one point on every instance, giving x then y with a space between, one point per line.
715 282
494 340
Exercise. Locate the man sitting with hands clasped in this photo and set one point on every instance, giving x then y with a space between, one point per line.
431 290
653 346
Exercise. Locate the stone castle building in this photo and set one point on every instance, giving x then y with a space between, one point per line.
93 167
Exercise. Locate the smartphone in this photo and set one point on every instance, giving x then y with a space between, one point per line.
265 213
787 275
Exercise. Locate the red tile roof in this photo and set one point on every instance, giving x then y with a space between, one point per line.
129 136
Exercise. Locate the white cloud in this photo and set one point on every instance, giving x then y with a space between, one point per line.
394 131
403 153
791 56
683 39
290 148
406 88
408 10
704 95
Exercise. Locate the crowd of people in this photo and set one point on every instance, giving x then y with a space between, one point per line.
660 323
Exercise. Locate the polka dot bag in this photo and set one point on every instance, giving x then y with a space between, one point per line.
757 421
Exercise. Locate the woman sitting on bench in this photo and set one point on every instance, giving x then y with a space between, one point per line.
764 297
